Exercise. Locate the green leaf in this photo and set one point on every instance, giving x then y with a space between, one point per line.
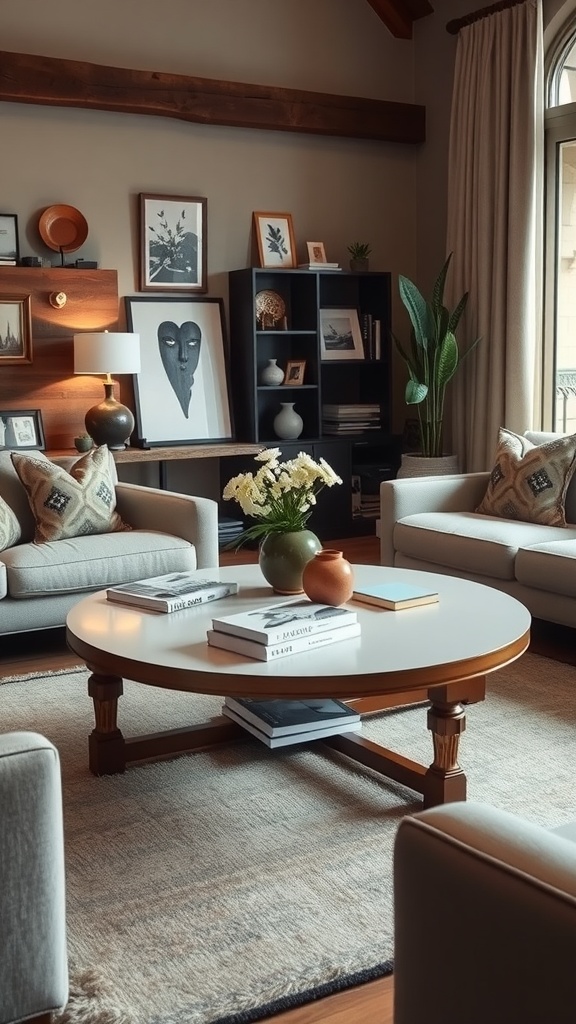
438 289
417 308
415 392
447 362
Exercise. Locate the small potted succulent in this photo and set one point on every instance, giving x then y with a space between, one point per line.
359 253
83 442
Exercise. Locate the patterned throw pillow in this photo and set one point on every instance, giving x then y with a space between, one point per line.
10 532
529 482
72 504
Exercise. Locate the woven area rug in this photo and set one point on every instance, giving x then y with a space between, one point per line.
231 884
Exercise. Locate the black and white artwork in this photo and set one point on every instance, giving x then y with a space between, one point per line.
173 243
340 336
9 249
274 234
15 329
181 393
21 428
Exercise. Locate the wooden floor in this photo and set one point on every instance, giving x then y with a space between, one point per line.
367 1004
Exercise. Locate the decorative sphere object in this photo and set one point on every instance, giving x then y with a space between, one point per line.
270 308
328 578
272 374
288 424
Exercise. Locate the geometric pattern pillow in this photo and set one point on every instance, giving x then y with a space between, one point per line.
70 504
10 531
529 482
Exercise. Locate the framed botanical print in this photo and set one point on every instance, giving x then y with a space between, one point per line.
274 234
15 329
173 243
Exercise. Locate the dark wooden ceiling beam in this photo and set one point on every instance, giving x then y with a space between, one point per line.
27 78
399 15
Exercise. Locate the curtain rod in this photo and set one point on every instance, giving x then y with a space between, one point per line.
453 27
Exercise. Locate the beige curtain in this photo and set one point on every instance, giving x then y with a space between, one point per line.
495 226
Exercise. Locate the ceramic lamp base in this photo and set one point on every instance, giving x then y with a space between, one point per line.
110 422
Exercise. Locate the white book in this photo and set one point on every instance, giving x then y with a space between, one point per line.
395 596
271 652
276 623
280 717
319 266
295 737
171 592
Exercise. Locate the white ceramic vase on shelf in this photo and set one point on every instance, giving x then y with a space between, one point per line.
288 424
271 374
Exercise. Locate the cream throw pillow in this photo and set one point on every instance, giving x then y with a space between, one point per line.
10 532
72 504
529 482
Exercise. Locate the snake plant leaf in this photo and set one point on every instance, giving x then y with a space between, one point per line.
447 362
438 289
457 313
417 309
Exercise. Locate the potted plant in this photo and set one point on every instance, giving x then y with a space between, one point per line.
359 253
432 360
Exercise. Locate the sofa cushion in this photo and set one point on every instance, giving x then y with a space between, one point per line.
10 531
549 566
14 493
529 482
3 581
470 542
80 564
70 504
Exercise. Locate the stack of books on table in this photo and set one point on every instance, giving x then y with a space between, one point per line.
279 630
351 419
279 723
171 592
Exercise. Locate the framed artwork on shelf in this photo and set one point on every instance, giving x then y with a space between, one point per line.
21 428
173 243
294 373
316 252
181 394
275 239
340 336
15 329
9 248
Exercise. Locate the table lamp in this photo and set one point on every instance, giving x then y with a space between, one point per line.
108 353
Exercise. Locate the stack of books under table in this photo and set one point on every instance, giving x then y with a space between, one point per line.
279 723
279 630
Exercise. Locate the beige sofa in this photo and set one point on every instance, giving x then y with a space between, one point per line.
429 523
39 583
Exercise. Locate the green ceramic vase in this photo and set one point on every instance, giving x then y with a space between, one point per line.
283 556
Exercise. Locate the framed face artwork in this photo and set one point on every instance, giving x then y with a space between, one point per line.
15 329
181 393
173 243
21 428
274 234
340 336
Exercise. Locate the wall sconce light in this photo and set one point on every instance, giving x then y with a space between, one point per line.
58 299
108 353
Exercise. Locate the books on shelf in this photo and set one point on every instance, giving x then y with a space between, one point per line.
319 266
170 592
271 652
277 623
306 736
395 596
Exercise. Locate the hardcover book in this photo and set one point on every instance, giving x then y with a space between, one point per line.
395 596
171 592
295 737
274 624
271 652
285 717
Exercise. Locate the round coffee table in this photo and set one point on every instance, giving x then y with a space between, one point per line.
438 652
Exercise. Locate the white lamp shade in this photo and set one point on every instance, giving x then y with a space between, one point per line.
106 352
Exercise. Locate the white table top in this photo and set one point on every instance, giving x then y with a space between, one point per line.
472 630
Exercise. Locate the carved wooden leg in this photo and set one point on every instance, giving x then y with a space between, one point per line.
106 748
445 781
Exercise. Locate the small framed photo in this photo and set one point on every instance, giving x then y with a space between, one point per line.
173 243
294 373
275 239
15 329
21 428
9 248
340 336
316 252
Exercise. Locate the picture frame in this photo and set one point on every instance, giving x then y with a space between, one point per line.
15 329
294 373
316 252
181 395
173 243
274 234
21 429
340 336
9 245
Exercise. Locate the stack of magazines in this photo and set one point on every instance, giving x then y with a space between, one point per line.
278 630
279 723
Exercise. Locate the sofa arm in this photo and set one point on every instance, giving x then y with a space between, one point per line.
460 492
33 960
484 919
183 515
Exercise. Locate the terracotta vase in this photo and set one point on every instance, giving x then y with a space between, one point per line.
328 578
282 558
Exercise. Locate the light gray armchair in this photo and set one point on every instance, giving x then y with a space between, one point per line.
485 919
33 959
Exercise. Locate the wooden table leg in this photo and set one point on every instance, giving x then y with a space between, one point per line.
106 747
445 781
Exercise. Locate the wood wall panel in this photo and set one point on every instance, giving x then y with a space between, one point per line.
49 383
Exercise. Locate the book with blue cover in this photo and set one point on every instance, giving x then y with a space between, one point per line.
395 596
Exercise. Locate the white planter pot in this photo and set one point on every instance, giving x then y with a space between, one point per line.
420 465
